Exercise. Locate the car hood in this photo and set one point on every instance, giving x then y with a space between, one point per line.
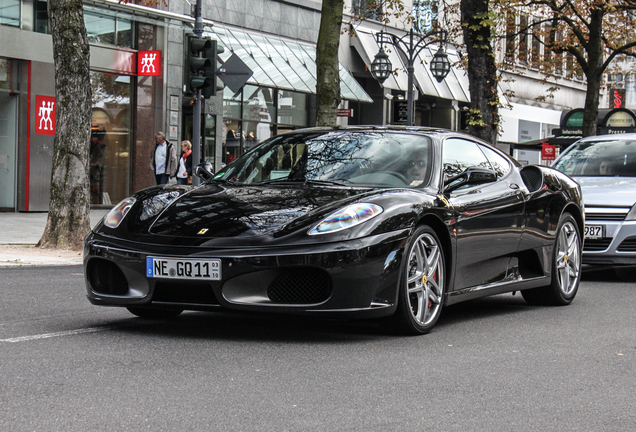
608 191
221 210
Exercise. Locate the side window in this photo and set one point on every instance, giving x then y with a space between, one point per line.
499 163
459 154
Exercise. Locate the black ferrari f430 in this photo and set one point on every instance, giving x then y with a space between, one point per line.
356 222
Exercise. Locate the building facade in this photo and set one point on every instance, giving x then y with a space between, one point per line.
127 108
137 79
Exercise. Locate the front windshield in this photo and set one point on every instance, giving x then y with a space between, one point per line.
373 159
600 158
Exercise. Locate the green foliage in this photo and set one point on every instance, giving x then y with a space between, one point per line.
475 118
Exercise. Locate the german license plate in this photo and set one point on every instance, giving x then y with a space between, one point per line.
173 268
594 231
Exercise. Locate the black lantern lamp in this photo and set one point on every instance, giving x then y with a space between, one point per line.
410 45
381 66
440 65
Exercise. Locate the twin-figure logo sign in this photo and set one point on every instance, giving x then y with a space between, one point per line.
548 151
45 107
149 63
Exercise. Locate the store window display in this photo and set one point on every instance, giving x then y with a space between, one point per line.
110 138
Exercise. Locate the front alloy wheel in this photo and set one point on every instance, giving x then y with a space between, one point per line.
421 290
568 259
566 268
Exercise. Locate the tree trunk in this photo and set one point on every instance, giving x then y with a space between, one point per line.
69 209
328 75
593 72
483 117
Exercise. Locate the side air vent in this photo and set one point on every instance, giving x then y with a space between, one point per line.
532 178
106 278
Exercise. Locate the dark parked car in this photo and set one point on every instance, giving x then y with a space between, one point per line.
605 167
358 222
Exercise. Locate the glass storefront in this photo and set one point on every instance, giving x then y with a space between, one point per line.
256 113
10 13
110 138
8 131
101 27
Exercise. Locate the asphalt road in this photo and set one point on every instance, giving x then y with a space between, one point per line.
495 364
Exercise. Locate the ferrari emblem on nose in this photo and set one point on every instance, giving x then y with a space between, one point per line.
203 231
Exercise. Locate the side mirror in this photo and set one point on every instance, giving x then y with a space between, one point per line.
204 171
472 176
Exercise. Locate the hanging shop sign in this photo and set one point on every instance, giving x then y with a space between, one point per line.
616 121
400 111
617 98
609 121
149 63
45 107
548 151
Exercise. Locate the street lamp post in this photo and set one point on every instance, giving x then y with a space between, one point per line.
440 65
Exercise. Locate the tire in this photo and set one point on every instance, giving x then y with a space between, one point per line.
566 267
422 284
152 313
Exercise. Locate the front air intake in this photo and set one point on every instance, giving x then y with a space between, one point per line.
106 278
304 285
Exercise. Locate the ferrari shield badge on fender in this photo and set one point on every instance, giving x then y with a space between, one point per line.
203 231
443 199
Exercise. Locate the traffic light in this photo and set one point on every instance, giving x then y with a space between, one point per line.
198 66
211 72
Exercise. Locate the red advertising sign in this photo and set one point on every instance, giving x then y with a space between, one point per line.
345 112
149 63
548 151
617 98
45 107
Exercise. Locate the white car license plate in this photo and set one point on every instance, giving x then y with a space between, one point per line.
594 231
173 268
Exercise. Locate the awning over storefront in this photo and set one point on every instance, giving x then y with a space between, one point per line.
281 63
367 47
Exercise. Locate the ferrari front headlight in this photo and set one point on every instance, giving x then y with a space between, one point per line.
347 217
118 213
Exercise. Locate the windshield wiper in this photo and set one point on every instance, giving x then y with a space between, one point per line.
304 181
280 180
325 182
220 180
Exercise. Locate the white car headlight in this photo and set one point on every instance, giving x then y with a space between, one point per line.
118 213
346 217
632 213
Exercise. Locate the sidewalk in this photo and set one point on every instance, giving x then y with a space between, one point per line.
19 232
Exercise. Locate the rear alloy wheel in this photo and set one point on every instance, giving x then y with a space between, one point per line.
421 288
566 268
152 313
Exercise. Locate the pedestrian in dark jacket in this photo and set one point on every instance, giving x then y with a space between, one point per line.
163 160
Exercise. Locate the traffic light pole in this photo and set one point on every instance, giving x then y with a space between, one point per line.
196 120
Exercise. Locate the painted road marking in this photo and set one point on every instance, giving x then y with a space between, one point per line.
57 334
